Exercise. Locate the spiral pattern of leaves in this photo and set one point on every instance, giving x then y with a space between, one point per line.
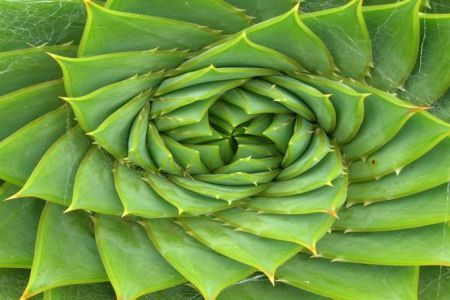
209 142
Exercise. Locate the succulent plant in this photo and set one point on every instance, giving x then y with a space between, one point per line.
247 149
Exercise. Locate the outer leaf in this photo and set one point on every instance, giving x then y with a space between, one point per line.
263 254
215 14
18 228
57 243
105 27
429 245
133 265
350 281
194 261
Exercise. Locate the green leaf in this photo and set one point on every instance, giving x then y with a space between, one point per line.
304 230
240 51
214 14
384 116
319 103
326 199
25 105
13 281
348 105
137 197
22 68
58 243
317 149
54 176
429 171
280 131
344 32
133 265
430 78
18 227
92 109
264 9
428 245
205 91
137 141
263 254
182 199
209 74
113 67
96 170
102 291
113 133
194 261
329 168
395 34
287 33
422 209
418 136
258 288
350 281
31 142
217 191
434 283
104 27
51 22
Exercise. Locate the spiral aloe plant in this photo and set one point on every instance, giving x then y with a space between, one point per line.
248 149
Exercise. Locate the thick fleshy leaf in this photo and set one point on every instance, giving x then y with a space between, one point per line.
430 78
434 283
263 9
217 191
344 32
428 245
384 116
13 281
137 197
430 170
92 109
18 228
133 265
52 22
348 105
22 68
419 135
104 27
96 170
54 176
137 142
58 244
182 199
25 105
21 151
214 14
316 151
263 254
240 51
319 103
287 34
426 208
350 281
304 230
258 288
113 133
326 199
113 67
329 168
194 261
395 33
209 74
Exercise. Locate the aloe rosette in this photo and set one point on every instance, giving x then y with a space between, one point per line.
244 147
